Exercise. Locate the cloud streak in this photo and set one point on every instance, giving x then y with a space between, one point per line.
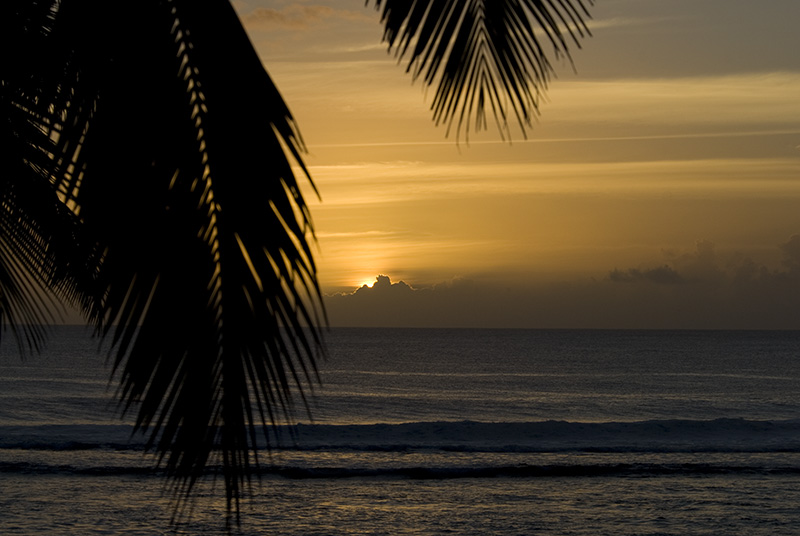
535 141
402 181
297 17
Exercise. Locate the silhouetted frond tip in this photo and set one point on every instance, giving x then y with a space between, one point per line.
485 54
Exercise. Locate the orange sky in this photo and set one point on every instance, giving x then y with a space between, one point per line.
660 186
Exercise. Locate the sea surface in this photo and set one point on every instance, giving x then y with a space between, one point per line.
443 431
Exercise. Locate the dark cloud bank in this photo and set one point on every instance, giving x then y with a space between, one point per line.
696 290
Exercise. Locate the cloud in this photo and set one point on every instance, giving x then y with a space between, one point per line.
699 265
367 47
694 289
662 275
357 234
704 266
618 22
383 286
791 253
297 17
383 304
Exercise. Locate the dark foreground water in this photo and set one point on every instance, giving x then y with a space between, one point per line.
446 432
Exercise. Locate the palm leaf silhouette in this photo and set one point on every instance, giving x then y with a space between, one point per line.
207 269
170 146
42 244
484 53
150 183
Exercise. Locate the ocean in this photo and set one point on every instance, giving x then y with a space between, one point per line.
443 431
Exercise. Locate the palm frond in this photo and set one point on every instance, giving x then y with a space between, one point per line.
484 53
174 140
24 259
42 250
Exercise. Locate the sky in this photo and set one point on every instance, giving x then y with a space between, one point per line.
658 188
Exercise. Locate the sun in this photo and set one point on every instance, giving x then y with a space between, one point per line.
367 283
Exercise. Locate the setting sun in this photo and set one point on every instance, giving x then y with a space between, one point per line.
366 283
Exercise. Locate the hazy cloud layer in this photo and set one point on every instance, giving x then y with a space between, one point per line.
662 274
698 289
704 267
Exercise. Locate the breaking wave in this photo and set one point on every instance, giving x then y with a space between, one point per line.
719 435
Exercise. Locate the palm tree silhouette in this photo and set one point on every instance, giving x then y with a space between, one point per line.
147 179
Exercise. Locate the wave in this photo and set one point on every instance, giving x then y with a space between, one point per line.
657 436
719 435
59 437
442 450
561 470
529 471
41 468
